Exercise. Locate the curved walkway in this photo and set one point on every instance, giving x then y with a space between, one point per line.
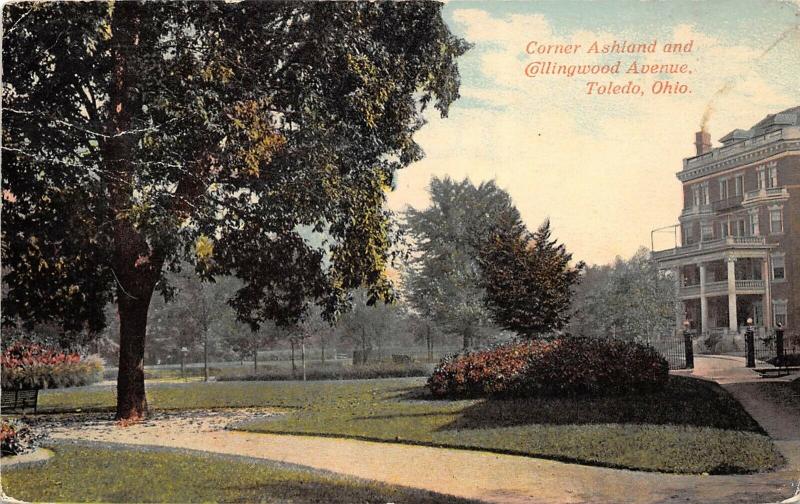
480 475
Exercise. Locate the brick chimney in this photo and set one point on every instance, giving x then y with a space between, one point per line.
702 142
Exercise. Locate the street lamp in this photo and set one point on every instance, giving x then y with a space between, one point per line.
687 344
750 344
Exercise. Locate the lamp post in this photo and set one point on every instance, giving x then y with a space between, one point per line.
184 351
779 343
750 344
687 344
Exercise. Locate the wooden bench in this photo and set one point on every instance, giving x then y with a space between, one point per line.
776 372
18 399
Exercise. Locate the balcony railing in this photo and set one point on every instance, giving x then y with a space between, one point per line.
756 285
727 203
712 245
765 194
713 288
739 147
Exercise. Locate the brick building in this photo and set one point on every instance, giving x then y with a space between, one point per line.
737 251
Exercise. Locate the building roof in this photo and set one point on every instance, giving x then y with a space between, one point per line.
773 122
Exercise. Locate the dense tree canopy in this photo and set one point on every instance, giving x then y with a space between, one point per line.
443 281
628 299
137 136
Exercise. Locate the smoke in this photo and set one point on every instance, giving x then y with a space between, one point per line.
712 103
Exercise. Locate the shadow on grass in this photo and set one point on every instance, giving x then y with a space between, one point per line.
684 401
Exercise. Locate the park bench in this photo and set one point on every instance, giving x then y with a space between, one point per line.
18 399
776 372
401 359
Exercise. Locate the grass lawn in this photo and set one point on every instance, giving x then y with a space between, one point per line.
92 474
690 427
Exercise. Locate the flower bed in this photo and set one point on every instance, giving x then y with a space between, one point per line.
16 438
562 367
28 365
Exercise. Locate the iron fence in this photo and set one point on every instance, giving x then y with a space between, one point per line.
766 347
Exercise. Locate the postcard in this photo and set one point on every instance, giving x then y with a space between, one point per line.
385 251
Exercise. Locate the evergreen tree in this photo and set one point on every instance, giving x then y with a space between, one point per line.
528 278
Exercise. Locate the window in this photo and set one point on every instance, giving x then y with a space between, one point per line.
776 220
687 235
762 177
706 231
779 312
773 175
739 185
754 223
738 227
704 193
696 195
723 229
778 267
723 189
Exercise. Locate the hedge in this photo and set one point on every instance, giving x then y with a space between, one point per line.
560 367
29 365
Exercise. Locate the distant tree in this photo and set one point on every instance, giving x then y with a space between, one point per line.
137 135
628 299
528 279
368 326
424 330
443 278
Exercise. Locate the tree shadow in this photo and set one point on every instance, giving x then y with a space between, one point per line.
684 401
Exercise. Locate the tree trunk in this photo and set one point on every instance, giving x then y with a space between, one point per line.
205 355
294 367
131 398
322 347
429 343
303 356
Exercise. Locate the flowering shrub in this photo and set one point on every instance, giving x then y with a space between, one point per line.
562 367
16 438
29 365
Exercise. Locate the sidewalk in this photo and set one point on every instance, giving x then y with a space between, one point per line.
478 475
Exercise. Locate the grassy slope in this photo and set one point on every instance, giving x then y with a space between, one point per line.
90 474
691 427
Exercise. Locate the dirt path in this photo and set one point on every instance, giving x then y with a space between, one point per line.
486 476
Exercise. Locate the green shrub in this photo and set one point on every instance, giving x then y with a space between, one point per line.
346 372
561 367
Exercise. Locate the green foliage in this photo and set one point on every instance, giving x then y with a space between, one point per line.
443 280
528 278
628 299
199 145
369 371
81 473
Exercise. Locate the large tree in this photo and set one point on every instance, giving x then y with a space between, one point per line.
137 135
529 279
443 279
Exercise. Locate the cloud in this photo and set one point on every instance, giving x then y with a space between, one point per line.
601 167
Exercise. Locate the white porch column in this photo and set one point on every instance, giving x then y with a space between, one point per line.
732 322
703 299
766 274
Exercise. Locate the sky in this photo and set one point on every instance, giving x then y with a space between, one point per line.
602 167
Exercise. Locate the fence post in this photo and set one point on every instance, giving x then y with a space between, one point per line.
688 350
750 346
779 345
